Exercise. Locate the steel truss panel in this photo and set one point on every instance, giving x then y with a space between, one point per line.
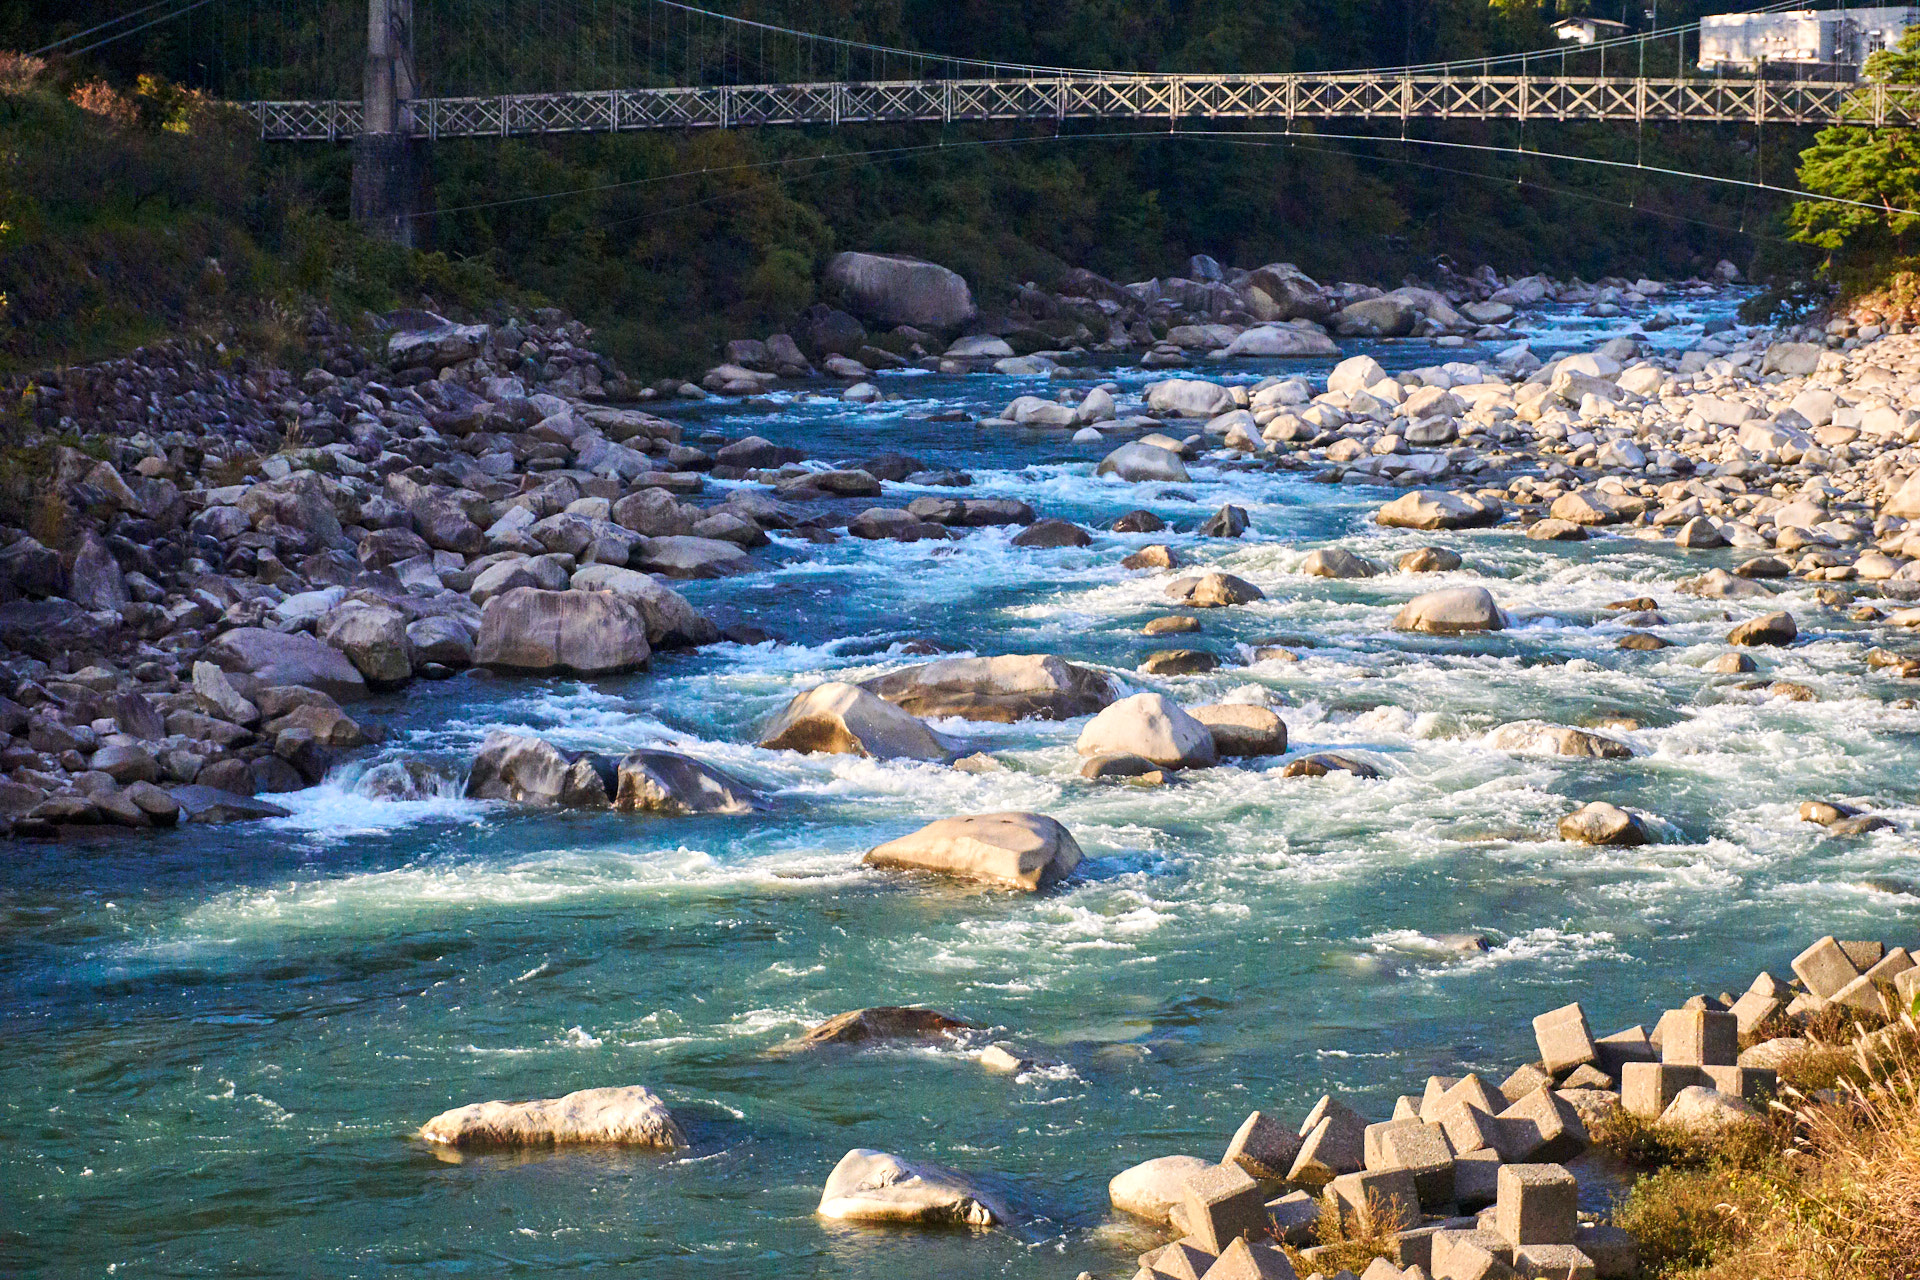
1172 98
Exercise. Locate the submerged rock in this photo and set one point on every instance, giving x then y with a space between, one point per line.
872 1186
628 1115
1555 739
1213 590
528 770
1603 823
1004 689
667 782
1323 763
864 1026
1017 850
1239 729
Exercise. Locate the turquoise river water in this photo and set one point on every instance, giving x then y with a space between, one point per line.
215 1043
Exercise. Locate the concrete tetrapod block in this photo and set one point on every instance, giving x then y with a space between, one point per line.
1907 987
1181 1260
1424 1151
1864 993
1381 1269
1825 968
1406 1107
1523 1082
1243 1261
1622 1047
1373 1148
1469 1128
1553 1262
1542 1128
1414 1246
1615 1253
1470 1255
1699 1038
1263 1148
1223 1204
1538 1204
1754 1008
1864 955
1648 1088
1335 1144
1293 1216
1565 1039
1468 1088
1476 1179
1391 1192
1749 1083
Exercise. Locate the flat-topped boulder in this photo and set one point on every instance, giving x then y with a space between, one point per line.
1004 689
653 781
869 1026
585 633
1451 611
685 556
627 1115
1603 823
892 289
844 719
1337 562
277 658
1016 850
1435 509
873 1186
211 805
1240 729
1150 726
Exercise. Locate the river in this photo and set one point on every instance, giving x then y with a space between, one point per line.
218 1041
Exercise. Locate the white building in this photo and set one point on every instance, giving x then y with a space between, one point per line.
1835 40
1585 30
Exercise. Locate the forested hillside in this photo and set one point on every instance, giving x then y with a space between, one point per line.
669 243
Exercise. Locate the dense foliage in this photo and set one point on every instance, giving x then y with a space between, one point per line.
669 243
1877 169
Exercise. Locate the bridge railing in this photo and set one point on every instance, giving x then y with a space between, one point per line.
1172 98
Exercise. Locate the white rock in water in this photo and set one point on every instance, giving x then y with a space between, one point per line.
1281 340
1150 726
1451 611
844 719
1019 850
629 1115
873 1186
1150 1189
1142 461
1189 398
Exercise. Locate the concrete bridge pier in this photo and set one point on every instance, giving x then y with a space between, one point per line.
389 176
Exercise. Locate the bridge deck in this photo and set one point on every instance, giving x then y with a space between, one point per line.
1172 98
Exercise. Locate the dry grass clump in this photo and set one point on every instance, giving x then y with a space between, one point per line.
1838 1200
1349 1241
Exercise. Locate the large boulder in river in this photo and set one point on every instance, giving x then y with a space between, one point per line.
1337 562
667 782
1603 823
1014 850
1434 509
1150 1189
1213 590
1241 729
1385 317
1152 727
628 1115
529 770
1282 340
1451 611
1138 461
872 1186
276 658
844 719
586 633
374 638
672 622
1189 398
1020 686
685 556
896 290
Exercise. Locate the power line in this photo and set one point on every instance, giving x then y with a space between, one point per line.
122 35
101 26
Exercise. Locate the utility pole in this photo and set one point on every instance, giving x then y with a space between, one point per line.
386 161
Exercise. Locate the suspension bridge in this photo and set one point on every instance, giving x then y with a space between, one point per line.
717 72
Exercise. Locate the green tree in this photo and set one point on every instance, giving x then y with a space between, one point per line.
1877 169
